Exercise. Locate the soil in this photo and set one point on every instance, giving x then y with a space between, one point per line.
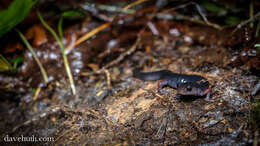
131 111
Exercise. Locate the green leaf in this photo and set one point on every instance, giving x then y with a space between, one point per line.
68 15
214 7
232 20
72 14
17 61
257 45
15 13
4 64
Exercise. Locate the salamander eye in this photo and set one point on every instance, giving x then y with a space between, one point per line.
189 88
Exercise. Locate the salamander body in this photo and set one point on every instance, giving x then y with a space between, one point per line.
185 84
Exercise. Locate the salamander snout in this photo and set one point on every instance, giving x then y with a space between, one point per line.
191 89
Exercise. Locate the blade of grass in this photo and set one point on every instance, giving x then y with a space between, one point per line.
251 12
4 64
60 28
257 29
27 44
66 63
17 61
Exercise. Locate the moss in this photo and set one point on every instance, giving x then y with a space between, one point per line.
255 115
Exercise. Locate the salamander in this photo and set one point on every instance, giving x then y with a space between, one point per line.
194 85
194 89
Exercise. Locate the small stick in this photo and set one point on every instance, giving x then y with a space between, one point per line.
114 62
108 78
205 20
37 92
117 60
48 112
122 56
256 89
132 4
240 25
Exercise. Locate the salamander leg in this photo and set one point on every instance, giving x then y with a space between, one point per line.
178 97
161 84
208 96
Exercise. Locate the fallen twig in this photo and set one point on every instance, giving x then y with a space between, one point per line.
132 4
256 89
240 25
36 94
51 110
90 34
93 8
116 61
249 20
108 78
164 15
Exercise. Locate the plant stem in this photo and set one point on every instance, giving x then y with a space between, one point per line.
251 12
257 29
66 63
44 74
60 28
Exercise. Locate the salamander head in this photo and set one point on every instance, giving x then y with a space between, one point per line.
193 88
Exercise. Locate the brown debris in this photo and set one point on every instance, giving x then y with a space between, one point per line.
37 34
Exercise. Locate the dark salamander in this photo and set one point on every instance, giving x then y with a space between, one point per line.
185 84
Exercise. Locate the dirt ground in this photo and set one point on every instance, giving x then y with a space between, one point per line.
114 108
